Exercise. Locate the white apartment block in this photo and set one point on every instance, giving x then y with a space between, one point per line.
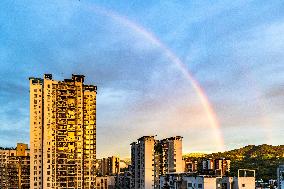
62 133
142 168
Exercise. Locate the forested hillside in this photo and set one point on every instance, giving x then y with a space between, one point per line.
263 158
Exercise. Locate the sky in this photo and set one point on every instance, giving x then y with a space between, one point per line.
129 49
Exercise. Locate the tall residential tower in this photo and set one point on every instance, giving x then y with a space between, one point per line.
142 162
62 133
151 158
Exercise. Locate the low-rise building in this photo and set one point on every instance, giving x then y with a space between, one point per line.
189 181
195 181
238 183
105 182
15 167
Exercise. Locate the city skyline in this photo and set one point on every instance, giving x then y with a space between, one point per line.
233 50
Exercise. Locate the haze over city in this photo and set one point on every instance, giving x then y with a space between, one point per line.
148 60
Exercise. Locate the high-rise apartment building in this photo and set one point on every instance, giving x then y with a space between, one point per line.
15 167
108 166
151 158
142 163
167 158
62 133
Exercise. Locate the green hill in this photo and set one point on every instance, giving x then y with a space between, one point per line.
263 158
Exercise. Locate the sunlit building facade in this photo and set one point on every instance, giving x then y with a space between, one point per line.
62 133
142 163
15 167
4 155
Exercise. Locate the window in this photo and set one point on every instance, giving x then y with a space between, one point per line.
189 184
243 185
199 185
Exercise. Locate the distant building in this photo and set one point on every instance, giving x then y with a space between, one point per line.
280 177
62 133
190 165
272 183
105 182
123 180
219 167
222 167
151 158
15 167
108 166
208 164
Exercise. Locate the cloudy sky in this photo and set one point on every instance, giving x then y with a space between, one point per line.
234 49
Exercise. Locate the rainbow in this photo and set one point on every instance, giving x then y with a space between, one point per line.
211 115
